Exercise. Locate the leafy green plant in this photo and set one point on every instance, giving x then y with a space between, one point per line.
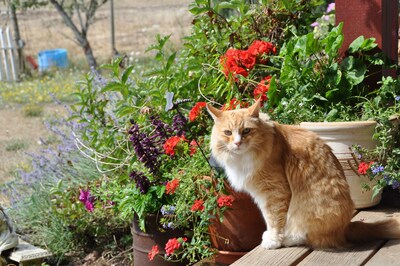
315 78
382 164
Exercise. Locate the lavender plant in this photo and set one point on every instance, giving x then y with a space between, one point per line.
50 202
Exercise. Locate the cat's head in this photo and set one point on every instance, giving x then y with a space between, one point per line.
237 131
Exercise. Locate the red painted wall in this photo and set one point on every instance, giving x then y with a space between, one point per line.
360 17
370 18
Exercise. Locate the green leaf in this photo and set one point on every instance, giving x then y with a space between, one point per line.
332 115
272 92
356 44
112 86
160 191
170 61
376 191
362 44
198 10
329 94
126 74
354 70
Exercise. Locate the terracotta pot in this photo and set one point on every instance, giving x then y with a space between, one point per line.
144 241
240 231
340 136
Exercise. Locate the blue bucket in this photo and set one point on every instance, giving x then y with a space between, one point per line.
53 58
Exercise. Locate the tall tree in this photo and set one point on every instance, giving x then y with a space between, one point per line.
84 10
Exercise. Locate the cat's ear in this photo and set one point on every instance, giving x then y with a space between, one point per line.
254 110
214 112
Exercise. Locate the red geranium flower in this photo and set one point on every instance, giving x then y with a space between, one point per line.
196 110
246 59
259 48
233 103
261 90
153 252
237 62
224 200
198 205
363 167
170 144
171 186
172 245
193 147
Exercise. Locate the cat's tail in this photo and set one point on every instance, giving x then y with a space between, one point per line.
358 231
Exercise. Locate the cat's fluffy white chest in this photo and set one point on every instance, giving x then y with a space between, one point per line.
239 169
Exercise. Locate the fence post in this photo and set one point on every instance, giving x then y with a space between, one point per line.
9 70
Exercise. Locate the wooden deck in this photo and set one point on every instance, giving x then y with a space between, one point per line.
377 253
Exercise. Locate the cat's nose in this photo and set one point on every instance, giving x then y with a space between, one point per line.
237 143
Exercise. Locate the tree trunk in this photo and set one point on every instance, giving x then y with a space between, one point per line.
80 36
17 38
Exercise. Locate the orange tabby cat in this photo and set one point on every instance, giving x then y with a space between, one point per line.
294 178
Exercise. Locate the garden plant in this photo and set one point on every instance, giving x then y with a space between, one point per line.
144 139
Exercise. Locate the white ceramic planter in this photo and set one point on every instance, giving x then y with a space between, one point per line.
340 136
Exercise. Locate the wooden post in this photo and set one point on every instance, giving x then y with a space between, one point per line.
372 18
113 50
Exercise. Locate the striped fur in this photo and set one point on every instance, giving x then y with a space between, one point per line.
294 178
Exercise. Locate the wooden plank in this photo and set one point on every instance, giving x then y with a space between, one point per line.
351 256
283 256
26 253
388 255
355 255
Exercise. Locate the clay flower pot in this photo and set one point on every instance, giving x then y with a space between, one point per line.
144 241
240 231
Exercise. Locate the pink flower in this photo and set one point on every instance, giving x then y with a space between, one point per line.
87 199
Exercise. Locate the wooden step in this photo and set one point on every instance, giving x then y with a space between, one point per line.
25 254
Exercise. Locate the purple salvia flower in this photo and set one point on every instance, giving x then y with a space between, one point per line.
146 151
142 182
179 123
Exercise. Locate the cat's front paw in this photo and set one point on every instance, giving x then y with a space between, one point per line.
271 241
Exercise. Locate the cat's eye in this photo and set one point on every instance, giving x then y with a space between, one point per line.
228 132
246 131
